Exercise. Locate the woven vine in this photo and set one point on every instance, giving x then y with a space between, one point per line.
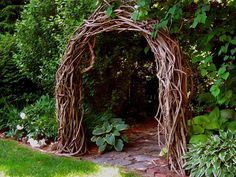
79 58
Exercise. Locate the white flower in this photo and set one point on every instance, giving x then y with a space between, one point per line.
18 127
42 142
136 6
23 115
33 143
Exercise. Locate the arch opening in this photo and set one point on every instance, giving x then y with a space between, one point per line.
123 80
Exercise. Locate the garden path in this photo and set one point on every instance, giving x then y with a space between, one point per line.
140 155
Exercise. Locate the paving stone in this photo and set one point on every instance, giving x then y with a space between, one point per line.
130 158
138 166
151 171
160 175
120 162
102 160
141 158
108 155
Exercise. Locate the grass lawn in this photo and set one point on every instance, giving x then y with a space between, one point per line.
17 160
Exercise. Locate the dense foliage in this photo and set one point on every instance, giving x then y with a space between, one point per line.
34 121
13 85
41 44
205 125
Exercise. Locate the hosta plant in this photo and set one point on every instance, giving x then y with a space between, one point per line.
108 135
216 157
203 126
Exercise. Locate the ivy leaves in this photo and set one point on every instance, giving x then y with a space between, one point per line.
110 10
200 15
142 9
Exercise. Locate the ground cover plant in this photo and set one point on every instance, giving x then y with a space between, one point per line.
216 157
203 126
108 135
18 160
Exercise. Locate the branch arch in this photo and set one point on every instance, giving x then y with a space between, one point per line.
79 58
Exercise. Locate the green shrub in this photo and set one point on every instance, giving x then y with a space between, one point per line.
216 157
41 36
9 118
37 54
39 119
34 121
108 135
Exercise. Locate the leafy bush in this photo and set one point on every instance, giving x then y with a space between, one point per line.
205 125
35 121
41 44
108 135
37 54
9 118
39 119
215 158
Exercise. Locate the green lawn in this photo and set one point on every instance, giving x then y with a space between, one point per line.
17 160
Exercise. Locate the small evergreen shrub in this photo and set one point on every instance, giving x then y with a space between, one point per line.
216 157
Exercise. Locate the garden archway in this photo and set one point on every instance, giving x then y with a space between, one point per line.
79 58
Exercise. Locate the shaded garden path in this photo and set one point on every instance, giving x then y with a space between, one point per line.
140 155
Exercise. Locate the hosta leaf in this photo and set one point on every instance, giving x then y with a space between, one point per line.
222 156
100 141
231 125
109 128
213 125
125 138
227 113
208 172
110 139
119 145
121 127
98 131
102 147
201 120
195 139
94 138
215 114
197 129
116 133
